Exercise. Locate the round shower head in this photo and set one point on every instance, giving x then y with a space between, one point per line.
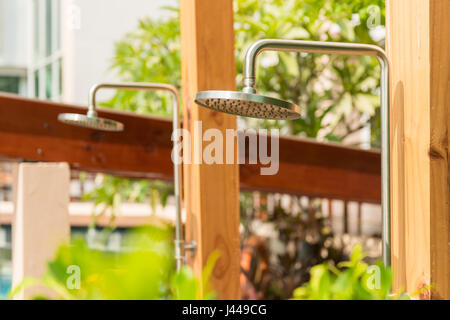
95 123
248 105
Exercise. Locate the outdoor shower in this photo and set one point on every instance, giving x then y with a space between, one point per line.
250 104
92 121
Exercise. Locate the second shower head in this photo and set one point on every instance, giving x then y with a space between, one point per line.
90 122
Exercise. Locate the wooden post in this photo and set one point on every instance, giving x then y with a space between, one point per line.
41 218
418 44
211 191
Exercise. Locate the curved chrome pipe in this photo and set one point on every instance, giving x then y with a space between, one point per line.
179 240
139 86
348 49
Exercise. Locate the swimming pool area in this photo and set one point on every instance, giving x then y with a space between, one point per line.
5 285
5 260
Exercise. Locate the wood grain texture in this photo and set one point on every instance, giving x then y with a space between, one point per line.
418 47
439 146
211 191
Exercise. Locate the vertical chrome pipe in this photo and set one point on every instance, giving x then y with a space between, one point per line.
385 159
179 240
348 49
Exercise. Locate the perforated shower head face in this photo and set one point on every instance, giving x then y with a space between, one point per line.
248 105
95 123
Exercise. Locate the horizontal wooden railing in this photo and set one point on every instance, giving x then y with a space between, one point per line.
29 130
80 215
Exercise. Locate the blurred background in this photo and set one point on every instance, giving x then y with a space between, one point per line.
57 49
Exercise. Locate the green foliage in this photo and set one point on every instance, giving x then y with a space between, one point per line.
113 191
150 54
350 280
281 259
143 271
334 91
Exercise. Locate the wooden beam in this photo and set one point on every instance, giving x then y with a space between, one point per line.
329 170
82 220
419 49
211 191
143 151
29 130
78 218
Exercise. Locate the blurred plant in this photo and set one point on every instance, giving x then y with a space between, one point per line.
280 247
350 280
112 191
149 54
144 270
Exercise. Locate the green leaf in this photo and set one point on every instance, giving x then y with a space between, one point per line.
350 281
346 29
297 33
290 64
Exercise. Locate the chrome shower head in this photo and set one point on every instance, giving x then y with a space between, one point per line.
91 122
248 105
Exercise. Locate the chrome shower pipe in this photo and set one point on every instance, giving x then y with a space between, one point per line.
347 49
145 86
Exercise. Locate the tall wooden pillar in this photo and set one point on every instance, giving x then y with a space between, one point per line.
418 44
211 191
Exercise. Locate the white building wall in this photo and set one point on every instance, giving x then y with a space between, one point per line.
13 33
88 39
